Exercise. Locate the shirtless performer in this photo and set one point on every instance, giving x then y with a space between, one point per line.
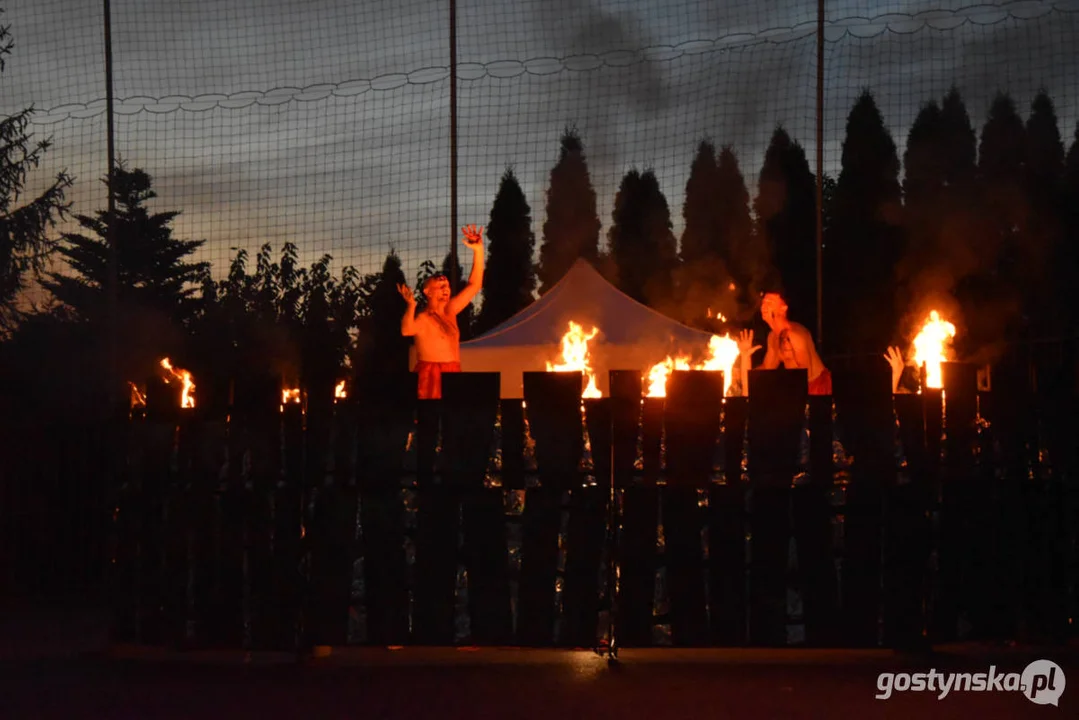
789 345
438 341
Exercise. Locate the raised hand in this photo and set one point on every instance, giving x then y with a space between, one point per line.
895 360
473 236
745 343
406 293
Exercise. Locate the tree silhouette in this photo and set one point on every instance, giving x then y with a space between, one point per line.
510 277
572 227
1042 240
24 226
703 278
1070 254
745 258
157 285
153 273
864 241
1001 156
640 240
786 210
382 348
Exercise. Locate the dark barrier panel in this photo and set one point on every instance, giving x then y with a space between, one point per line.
727 529
692 418
777 401
553 411
470 409
386 426
863 402
813 527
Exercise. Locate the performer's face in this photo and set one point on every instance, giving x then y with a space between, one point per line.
437 290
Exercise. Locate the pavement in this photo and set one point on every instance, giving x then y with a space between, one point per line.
71 671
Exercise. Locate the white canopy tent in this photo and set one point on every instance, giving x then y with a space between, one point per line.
631 336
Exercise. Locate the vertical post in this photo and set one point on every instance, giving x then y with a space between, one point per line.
454 280
114 394
820 172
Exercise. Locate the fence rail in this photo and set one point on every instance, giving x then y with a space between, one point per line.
863 519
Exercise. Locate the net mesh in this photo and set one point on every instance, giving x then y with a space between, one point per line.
328 125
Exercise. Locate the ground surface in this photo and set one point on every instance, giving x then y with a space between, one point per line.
71 673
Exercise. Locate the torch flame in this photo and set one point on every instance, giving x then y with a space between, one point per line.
722 352
576 358
187 396
290 395
138 398
932 347
339 392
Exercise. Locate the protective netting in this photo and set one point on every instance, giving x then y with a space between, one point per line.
328 124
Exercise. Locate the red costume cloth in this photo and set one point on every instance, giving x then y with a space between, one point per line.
430 378
822 384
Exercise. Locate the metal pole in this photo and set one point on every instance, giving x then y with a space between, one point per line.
113 289
454 280
820 172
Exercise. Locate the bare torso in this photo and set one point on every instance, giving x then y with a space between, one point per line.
793 348
437 337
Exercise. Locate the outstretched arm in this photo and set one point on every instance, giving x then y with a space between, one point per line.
408 320
474 242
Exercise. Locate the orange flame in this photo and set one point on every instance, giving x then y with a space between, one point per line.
722 352
576 358
290 395
138 398
339 392
932 347
187 394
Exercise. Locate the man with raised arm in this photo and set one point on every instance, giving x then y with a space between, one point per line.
438 340
789 344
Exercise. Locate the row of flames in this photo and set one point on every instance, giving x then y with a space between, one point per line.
187 388
722 353
931 348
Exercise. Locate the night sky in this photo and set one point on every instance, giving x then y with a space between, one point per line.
327 123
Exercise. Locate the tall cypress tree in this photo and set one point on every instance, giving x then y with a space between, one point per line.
993 296
510 278
571 229
1042 241
864 241
785 208
699 239
641 243
702 276
1070 255
734 224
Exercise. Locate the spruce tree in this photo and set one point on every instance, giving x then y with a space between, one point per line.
154 274
571 229
510 277
24 222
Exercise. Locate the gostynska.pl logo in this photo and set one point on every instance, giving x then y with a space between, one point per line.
1041 682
